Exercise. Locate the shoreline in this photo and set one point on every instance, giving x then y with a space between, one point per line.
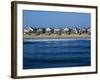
63 39
56 38
71 36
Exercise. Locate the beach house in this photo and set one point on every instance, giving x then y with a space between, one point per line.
58 31
89 30
48 31
26 31
82 31
74 30
66 31
39 31
31 29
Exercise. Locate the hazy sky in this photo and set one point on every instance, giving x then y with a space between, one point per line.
46 19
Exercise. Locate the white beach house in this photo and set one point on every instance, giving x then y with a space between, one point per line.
66 30
75 30
82 30
89 30
26 31
31 29
39 31
48 31
57 31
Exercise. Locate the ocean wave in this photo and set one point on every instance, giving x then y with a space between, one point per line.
67 39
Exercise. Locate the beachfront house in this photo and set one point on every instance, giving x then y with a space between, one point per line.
89 30
32 30
57 31
66 31
48 31
74 30
82 31
39 31
26 31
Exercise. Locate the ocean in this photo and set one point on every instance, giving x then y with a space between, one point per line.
56 53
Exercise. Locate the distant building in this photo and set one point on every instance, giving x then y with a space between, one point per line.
66 31
89 30
57 31
26 31
82 31
74 30
31 29
48 31
39 31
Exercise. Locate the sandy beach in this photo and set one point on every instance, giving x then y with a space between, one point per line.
55 36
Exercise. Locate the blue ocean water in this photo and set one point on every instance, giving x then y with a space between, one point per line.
52 53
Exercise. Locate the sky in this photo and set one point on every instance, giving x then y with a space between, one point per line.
54 19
